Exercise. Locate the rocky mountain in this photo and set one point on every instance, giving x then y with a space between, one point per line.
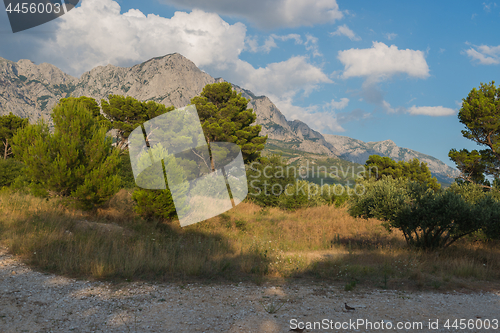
358 151
30 91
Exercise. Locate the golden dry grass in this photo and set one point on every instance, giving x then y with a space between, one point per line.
248 242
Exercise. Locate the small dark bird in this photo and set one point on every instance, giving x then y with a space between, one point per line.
297 330
348 308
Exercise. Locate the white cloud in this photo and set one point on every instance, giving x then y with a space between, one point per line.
378 63
337 105
382 61
343 30
435 111
270 14
317 119
484 54
390 36
280 78
253 46
97 34
311 44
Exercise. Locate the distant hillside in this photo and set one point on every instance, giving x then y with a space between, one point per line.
358 151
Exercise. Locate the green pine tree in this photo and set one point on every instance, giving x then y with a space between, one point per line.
76 161
9 124
126 113
224 117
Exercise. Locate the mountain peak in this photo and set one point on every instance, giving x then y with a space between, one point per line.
171 79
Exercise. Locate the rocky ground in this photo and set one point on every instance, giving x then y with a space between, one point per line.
31 301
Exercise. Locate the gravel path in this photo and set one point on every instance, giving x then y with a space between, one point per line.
35 302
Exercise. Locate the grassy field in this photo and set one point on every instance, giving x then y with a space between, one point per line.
248 243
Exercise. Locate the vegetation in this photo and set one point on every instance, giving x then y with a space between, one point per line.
224 117
10 169
9 125
288 227
126 113
378 166
248 243
480 113
76 161
427 219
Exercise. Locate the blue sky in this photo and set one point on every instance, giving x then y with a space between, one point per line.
368 70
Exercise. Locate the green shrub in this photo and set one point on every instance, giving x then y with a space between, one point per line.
10 169
126 174
76 161
428 219
303 194
267 179
154 204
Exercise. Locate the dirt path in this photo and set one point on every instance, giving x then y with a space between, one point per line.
35 302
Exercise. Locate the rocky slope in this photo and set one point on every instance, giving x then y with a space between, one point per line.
30 91
358 151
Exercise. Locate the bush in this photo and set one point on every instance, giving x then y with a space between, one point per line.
154 204
428 219
10 169
267 179
76 161
303 194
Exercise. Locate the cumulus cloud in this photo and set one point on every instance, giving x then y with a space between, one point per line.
484 54
98 34
382 61
343 30
270 14
378 63
280 78
435 111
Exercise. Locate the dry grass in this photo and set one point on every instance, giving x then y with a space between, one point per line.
248 242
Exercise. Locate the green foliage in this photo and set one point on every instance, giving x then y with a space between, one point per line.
267 179
89 103
159 204
126 113
154 204
378 166
428 219
9 124
126 174
273 183
10 169
303 194
76 161
480 113
224 117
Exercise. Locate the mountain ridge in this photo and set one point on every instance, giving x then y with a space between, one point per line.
30 91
